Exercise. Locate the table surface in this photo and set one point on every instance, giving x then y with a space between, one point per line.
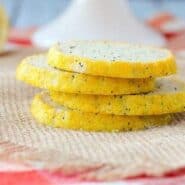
17 55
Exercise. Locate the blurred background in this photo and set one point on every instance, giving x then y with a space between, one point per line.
24 13
166 17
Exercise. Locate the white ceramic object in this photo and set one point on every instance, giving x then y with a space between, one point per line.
97 20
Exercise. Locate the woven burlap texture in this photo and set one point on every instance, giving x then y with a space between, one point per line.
104 156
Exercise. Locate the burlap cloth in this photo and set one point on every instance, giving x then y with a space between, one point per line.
104 156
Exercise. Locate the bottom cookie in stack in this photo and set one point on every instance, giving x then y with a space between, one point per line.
48 112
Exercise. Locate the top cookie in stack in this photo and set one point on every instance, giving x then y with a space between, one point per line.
103 86
112 59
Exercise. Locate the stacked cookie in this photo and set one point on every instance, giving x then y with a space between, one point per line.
103 86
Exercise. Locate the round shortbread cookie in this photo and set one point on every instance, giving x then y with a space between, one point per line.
168 97
112 59
35 71
47 112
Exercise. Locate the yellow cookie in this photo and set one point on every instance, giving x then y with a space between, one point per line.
169 97
35 71
112 59
3 27
49 113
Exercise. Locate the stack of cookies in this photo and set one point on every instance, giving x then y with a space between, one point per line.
103 86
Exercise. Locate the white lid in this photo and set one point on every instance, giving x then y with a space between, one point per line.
97 20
